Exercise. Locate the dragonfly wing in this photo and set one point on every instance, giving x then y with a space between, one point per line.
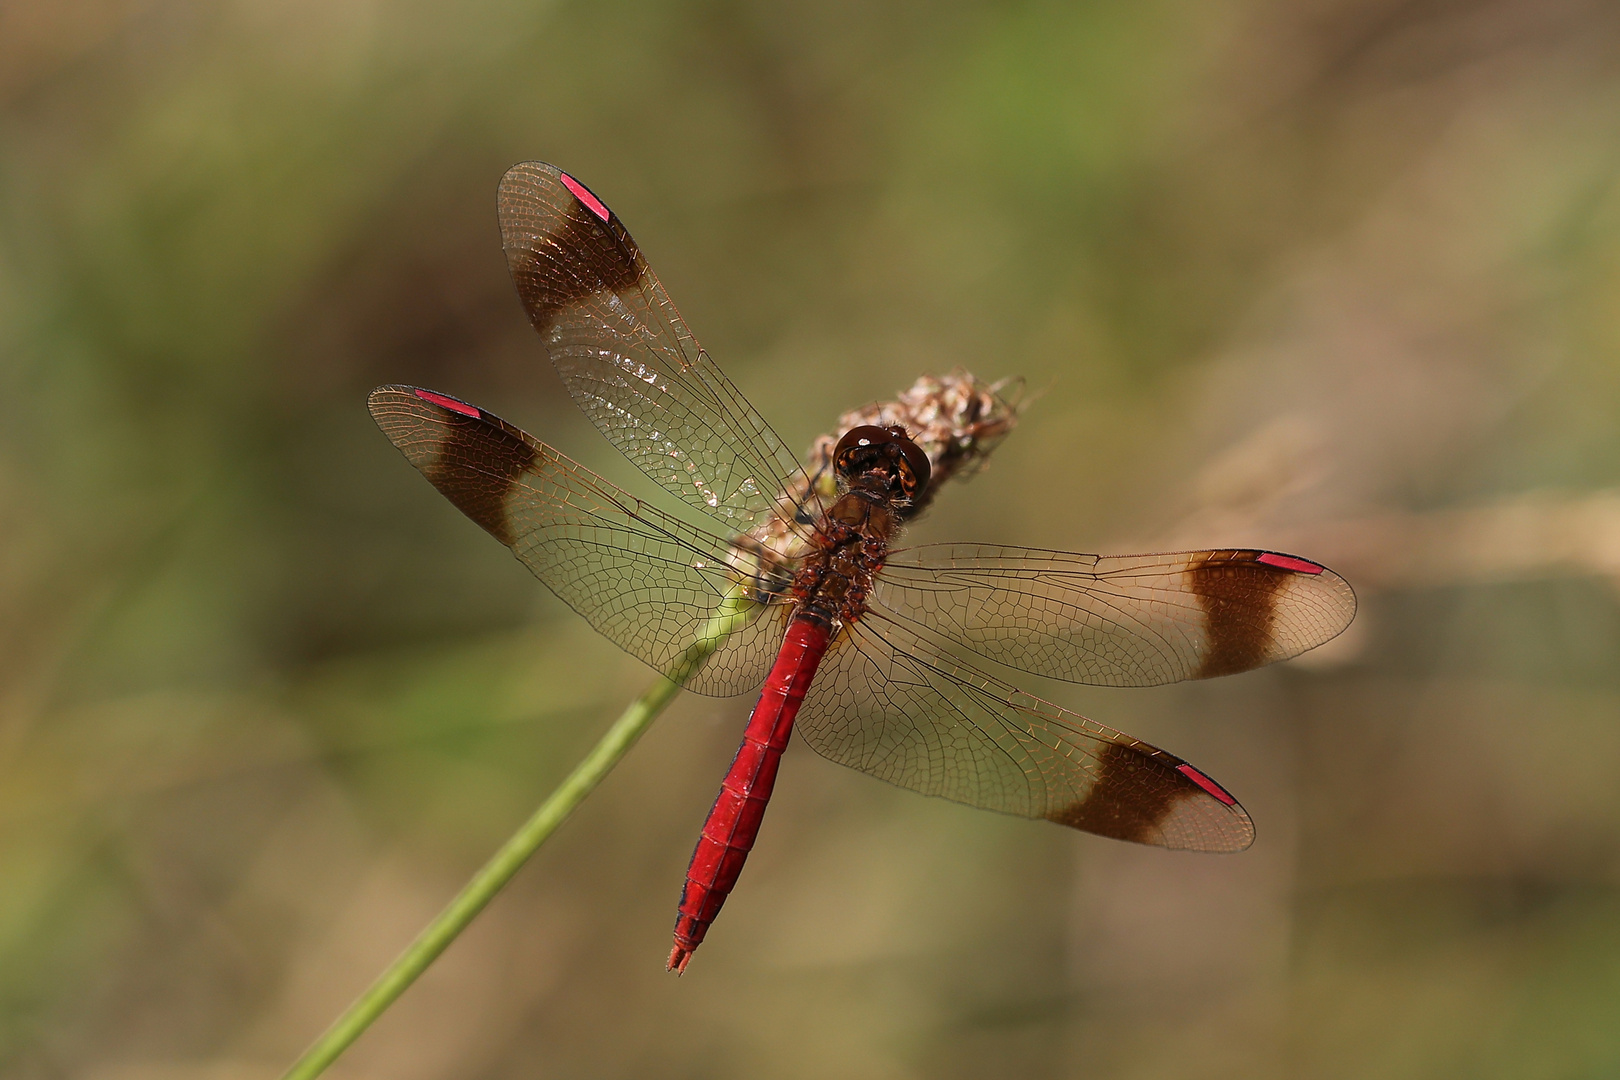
888 703
1128 620
629 360
649 582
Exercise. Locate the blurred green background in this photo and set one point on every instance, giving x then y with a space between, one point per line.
1340 277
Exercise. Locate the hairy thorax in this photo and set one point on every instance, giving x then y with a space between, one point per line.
851 543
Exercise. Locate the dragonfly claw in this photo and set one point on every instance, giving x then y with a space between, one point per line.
679 956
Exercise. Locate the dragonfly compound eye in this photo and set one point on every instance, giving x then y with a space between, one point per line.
860 447
914 467
868 447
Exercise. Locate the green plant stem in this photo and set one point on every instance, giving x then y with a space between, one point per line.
734 611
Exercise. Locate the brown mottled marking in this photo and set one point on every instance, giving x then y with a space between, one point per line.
476 465
1133 794
578 256
1239 598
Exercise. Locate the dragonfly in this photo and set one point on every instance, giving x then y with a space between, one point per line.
891 660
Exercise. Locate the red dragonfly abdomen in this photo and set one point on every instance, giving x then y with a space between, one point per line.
728 834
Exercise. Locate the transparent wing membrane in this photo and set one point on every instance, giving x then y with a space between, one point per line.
886 702
629 360
1130 620
649 582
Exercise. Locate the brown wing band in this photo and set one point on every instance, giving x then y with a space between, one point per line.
1239 598
475 468
580 256
1133 796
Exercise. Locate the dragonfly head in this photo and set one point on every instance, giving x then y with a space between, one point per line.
886 453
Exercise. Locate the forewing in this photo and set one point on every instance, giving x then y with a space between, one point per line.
629 360
650 583
1129 620
889 704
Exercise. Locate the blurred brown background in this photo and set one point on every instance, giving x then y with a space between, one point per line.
1340 277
